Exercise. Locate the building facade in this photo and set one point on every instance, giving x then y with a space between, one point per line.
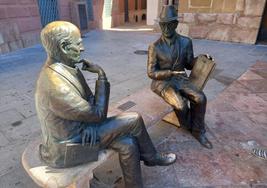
224 20
22 20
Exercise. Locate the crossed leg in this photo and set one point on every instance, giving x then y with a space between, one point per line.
127 135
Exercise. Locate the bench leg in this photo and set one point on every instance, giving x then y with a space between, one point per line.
172 119
83 182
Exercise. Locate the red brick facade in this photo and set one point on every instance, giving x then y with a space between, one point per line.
19 24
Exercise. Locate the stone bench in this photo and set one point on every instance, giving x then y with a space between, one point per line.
45 176
149 105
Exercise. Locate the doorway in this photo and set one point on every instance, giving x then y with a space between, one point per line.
126 11
262 36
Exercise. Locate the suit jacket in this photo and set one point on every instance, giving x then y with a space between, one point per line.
65 106
165 57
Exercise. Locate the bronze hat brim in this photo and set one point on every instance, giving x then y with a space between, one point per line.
164 20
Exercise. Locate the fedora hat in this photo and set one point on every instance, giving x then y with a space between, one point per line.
168 14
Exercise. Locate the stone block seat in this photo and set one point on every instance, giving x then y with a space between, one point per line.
152 108
46 176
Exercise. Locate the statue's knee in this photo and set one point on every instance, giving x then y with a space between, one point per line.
201 98
180 106
128 145
135 118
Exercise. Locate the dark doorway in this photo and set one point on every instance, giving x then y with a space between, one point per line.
126 10
262 36
144 17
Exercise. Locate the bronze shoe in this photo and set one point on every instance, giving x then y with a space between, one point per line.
203 140
161 159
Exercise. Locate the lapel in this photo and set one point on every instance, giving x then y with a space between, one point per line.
166 51
61 70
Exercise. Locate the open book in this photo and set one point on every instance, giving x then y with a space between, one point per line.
201 71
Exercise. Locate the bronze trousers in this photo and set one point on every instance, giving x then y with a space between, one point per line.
177 93
127 134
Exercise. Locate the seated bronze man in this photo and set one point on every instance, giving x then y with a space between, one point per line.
168 58
74 120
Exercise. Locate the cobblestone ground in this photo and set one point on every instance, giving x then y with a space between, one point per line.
126 71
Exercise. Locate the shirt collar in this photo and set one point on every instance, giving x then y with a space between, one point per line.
73 71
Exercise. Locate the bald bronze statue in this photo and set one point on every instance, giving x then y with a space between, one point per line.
74 121
168 58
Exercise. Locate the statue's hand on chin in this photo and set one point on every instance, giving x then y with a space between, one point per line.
91 67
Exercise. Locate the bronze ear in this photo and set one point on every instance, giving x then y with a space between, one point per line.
64 46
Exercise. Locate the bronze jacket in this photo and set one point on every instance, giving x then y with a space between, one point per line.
64 105
165 57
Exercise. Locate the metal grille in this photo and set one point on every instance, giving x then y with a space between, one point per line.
126 106
90 10
82 16
48 11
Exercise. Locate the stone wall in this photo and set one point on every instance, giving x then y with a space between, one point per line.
224 20
19 24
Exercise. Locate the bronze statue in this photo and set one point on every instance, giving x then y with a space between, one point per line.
74 121
168 58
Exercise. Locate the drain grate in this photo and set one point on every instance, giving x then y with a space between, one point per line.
141 52
126 106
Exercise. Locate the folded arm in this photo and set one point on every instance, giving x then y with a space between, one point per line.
152 69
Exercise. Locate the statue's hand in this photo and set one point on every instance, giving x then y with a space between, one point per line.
176 73
91 67
180 74
89 136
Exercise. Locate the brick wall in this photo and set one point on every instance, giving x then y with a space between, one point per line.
224 20
64 10
19 24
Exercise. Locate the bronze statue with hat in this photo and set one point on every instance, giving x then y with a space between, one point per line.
168 58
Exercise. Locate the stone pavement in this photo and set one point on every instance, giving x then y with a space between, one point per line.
237 122
114 51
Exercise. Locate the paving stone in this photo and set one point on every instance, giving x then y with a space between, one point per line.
22 131
213 88
249 103
258 117
236 88
219 106
263 96
10 116
10 157
250 75
3 140
17 178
